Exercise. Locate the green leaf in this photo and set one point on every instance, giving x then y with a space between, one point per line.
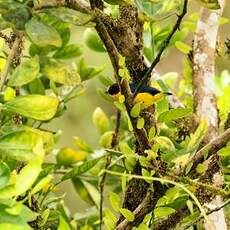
127 214
114 201
70 16
47 138
152 133
25 72
125 148
21 145
198 136
184 48
9 226
27 176
105 80
106 139
36 87
82 190
114 2
86 72
82 145
93 192
80 169
4 174
9 93
124 182
224 152
163 211
223 20
60 72
174 114
38 107
63 225
104 95
140 123
16 14
93 41
165 143
100 120
109 220
201 168
42 34
190 206
41 184
68 51
135 111
210 4
7 192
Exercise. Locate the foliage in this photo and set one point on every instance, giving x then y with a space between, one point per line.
53 71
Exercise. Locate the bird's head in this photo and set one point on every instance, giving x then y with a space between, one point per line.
114 91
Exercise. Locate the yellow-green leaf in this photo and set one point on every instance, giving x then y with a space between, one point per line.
114 201
127 214
41 184
9 93
38 107
140 123
27 176
82 145
184 48
61 72
135 111
106 139
21 145
25 72
93 41
63 225
100 120
42 34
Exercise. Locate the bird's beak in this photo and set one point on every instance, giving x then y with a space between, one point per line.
106 92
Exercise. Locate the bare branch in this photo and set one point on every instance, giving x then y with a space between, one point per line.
211 148
147 75
10 58
208 213
79 5
107 163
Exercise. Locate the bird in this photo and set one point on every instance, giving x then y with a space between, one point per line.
146 96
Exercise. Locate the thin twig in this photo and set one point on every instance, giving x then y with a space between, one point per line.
9 60
208 213
107 163
164 46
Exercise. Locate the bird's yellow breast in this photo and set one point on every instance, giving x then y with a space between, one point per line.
148 99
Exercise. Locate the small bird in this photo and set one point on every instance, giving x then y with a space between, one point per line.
147 95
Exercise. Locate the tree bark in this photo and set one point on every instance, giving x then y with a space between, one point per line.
204 98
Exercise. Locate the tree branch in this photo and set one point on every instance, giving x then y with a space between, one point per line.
147 75
211 148
107 163
12 54
208 213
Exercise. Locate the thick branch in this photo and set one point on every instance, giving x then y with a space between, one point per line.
147 76
143 208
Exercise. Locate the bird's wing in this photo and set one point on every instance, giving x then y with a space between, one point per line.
144 89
